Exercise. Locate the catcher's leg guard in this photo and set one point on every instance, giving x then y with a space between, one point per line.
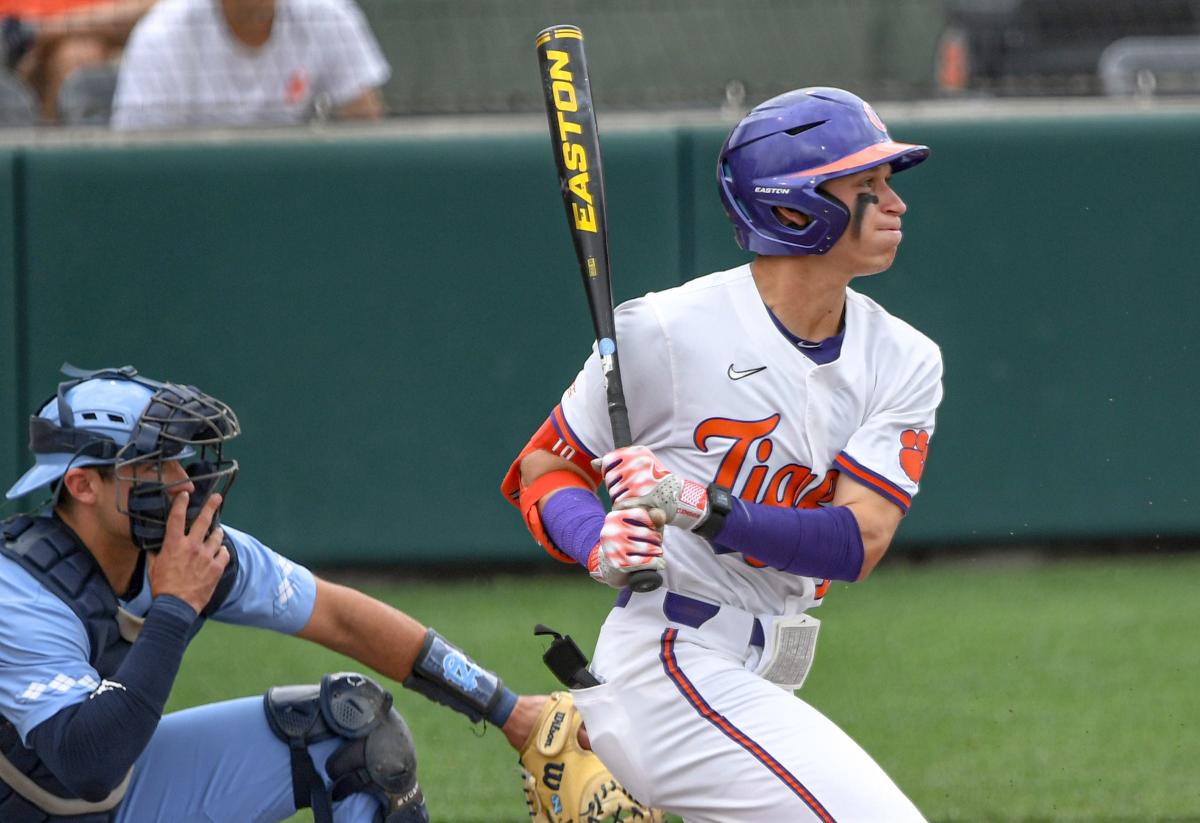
378 756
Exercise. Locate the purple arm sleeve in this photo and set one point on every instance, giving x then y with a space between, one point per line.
573 518
91 745
822 543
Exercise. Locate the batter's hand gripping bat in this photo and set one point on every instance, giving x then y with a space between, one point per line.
576 147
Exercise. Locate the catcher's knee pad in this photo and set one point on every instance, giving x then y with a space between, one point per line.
377 756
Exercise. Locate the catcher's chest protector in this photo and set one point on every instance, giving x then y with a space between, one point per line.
52 554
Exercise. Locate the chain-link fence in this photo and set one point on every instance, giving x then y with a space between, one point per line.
1036 48
273 62
477 55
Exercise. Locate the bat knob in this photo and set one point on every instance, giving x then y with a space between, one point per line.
646 580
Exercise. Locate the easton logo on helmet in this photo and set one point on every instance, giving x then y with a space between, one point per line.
770 190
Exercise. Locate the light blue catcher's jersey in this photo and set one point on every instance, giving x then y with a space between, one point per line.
44 648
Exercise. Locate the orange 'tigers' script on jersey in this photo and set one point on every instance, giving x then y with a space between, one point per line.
785 487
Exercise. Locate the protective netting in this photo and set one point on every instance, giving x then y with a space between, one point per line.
1071 47
188 64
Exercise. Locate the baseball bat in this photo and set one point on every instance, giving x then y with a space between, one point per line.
575 144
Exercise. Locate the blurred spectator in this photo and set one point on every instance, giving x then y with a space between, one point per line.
249 63
44 41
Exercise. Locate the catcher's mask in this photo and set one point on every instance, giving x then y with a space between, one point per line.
115 417
781 153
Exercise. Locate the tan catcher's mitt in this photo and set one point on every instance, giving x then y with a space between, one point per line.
565 783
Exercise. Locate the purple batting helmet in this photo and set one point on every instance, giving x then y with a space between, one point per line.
781 153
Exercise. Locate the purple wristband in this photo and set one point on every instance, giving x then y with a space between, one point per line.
573 519
822 543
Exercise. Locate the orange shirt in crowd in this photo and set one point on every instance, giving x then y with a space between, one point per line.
34 9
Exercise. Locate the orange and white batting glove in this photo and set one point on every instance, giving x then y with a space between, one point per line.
630 541
636 479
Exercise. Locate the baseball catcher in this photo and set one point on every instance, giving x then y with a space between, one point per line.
104 586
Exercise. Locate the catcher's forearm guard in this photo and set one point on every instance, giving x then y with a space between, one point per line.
446 675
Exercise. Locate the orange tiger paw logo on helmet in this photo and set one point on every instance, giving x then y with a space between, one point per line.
914 447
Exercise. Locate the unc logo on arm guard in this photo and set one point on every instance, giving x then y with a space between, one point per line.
459 672
446 675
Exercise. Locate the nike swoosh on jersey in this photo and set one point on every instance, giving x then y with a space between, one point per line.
738 374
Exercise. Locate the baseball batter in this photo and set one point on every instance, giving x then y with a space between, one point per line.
782 423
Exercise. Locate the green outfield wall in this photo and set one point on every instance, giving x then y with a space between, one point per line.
11 399
392 317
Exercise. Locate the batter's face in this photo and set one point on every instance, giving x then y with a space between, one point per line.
869 244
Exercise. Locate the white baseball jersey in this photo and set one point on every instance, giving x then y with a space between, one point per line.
719 393
183 68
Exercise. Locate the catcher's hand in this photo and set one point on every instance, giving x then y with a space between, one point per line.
565 783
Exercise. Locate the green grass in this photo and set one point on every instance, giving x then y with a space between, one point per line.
989 692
